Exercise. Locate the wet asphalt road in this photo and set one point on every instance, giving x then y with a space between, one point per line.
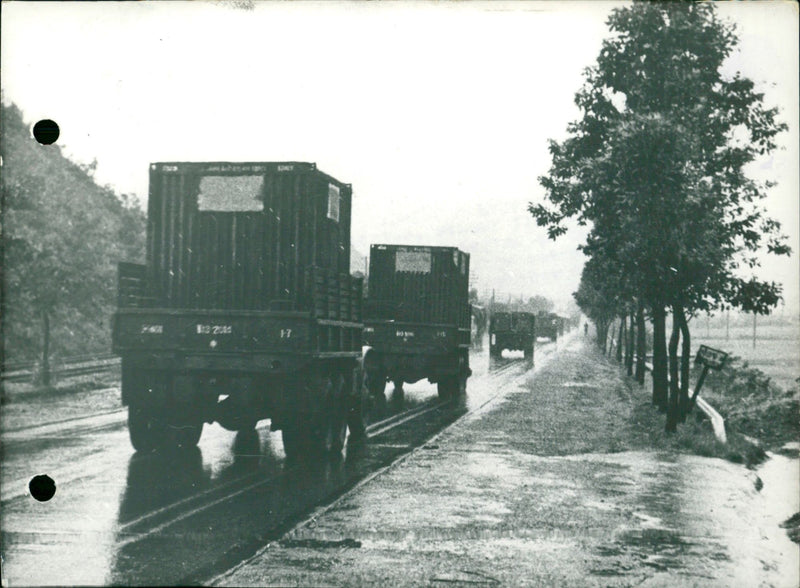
554 483
181 518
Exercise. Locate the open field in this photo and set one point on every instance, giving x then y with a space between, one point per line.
776 351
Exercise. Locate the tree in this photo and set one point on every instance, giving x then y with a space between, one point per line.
539 304
596 298
657 167
63 235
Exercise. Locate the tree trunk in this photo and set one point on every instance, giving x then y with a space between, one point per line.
641 344
620 337
602 335
659 357
629 346
672 410
45 348
686 350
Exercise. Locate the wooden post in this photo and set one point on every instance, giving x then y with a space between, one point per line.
754 329
697 388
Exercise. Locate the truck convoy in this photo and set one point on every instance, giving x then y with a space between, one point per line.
417 318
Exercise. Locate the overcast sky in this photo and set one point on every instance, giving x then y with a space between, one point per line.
437 113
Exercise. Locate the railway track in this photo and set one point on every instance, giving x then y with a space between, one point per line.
212 496
70 367
159 519
169 502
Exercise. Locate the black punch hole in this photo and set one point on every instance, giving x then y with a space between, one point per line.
42 487
46 131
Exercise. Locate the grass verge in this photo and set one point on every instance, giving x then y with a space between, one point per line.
696 436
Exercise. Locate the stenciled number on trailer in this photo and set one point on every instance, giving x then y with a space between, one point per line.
214 329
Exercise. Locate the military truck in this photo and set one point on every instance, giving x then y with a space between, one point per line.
417 318
244 308
514 331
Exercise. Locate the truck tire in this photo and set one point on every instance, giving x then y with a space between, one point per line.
398 396
183 433
145 428
376 383
447 388
321 433
336 425
357 408
529 352
295 438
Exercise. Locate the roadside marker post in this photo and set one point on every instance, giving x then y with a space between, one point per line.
710 358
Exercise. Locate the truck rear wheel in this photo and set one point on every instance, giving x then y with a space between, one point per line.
447 388
357 407
294 438
398 396
376 382
333 428
529 352
146 428
303 438
183 433
322 432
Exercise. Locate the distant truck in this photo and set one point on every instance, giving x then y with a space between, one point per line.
244 309
549 325
417 318
514 331
478 325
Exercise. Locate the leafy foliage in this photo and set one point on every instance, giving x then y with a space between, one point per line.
656 166
534 304
62 236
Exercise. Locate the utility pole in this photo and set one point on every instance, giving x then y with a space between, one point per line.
728 324
754 329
